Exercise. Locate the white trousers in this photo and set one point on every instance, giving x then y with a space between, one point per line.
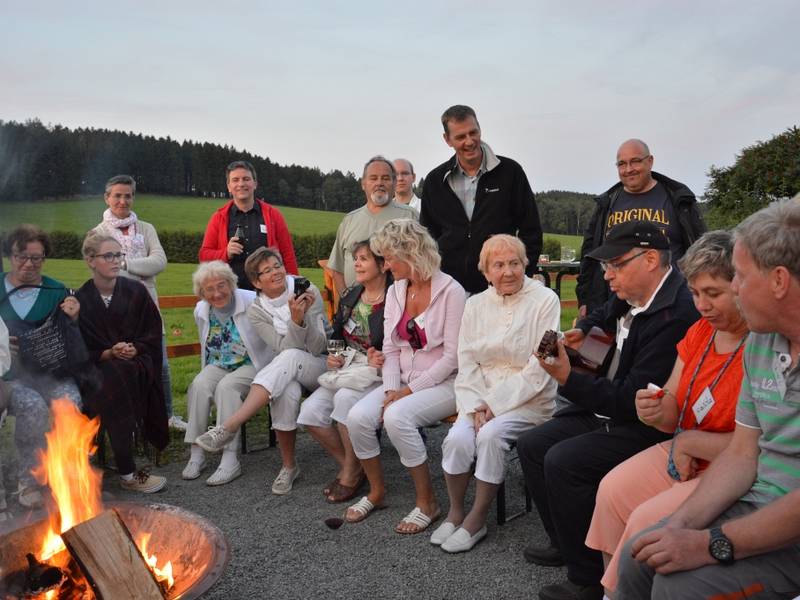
324 406
225 388
491 445
282 378
401 421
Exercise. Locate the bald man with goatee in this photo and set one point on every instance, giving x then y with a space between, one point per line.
640 195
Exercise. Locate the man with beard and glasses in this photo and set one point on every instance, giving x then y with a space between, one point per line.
378 183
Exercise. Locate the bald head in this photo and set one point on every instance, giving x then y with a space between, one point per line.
634 166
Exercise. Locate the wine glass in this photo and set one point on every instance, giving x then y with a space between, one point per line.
335 347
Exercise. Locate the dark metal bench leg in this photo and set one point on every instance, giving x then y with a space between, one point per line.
501 504
243 432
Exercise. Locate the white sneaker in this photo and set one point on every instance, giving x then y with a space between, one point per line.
215 439
224 475
144 482
193 469
283 482
177 422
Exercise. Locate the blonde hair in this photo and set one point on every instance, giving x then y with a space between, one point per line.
93 241
497 243
407 240
214 269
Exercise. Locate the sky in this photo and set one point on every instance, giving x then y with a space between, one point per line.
556 85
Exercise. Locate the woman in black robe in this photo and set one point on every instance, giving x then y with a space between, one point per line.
121 326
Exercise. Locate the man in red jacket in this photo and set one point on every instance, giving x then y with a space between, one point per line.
260 223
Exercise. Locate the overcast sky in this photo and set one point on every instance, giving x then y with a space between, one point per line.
557 86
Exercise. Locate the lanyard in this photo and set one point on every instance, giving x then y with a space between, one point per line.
730 358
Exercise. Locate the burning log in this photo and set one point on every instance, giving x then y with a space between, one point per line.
110 560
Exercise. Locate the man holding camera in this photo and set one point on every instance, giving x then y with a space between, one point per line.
244 224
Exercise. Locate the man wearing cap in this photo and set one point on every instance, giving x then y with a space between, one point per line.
644 195
256 223
648 313
737 535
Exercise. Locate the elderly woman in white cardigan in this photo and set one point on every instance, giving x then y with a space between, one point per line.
231 353
501 390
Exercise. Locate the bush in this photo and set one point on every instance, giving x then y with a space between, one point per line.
183 246
552 247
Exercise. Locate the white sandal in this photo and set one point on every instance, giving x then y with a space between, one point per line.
363 507
418 518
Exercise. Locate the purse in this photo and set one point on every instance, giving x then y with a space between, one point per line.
357 375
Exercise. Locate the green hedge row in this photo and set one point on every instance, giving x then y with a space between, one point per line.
183 246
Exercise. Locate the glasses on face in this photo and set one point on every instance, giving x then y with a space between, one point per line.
632 163
413 335
220 288
269 270
111 256
35 259
609 266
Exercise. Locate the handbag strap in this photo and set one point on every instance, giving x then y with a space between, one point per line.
7 297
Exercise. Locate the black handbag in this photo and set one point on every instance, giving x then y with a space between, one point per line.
53 346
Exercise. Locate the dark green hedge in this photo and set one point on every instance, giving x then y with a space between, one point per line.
182 246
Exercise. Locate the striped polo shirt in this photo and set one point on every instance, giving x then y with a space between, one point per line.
770 401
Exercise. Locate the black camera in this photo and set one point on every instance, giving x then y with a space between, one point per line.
301 285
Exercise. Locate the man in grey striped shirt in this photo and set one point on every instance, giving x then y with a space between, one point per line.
738 534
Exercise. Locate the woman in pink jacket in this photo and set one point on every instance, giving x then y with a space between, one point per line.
422 319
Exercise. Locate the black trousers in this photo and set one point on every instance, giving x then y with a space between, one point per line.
564 461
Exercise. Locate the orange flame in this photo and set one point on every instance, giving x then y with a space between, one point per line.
64 467
163 574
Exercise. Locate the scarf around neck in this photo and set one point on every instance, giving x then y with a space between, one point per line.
278 308
133 243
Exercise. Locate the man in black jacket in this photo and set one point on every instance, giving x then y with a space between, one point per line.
474 195
565 458
640 195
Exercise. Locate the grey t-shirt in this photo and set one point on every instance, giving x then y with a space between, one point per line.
654 206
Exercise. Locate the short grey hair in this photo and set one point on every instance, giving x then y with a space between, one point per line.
379 158
712 254
407 240
214 269
93 241
241 164
458 113
772 236
497 243
121 180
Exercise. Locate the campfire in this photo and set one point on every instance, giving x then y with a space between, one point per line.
83 550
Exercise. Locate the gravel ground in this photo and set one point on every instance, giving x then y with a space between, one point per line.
280 546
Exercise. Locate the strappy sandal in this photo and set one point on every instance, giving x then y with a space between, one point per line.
342 493
326 491
362 508
417 518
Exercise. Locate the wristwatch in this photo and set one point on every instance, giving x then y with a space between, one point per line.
720 547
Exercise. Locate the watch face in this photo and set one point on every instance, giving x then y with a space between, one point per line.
721 550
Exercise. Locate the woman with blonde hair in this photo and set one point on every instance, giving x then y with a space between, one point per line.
422 318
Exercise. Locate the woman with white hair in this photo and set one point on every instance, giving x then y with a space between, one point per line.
422 317
231 353
501 389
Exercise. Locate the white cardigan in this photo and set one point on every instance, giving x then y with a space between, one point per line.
496 345
257 349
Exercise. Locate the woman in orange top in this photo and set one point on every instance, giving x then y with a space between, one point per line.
698 404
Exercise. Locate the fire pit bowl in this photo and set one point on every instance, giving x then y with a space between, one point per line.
197 548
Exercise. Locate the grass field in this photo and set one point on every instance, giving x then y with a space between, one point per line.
167 213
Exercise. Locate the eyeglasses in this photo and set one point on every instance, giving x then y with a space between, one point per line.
36 259
633 163
269 270
111 256
609 266
221 287
413 335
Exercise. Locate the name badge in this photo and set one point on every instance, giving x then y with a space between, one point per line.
420 321
350 326
238 349
703 405
263 228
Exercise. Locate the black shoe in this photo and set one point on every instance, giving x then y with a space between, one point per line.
545 556
571 591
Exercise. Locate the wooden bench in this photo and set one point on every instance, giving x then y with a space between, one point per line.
193 349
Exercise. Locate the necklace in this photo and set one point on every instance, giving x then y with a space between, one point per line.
369 300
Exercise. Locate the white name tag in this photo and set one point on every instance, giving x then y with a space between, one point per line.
263 228
238 349
703 405
420 321
350 326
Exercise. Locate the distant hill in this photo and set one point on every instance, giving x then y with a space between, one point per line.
565 212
